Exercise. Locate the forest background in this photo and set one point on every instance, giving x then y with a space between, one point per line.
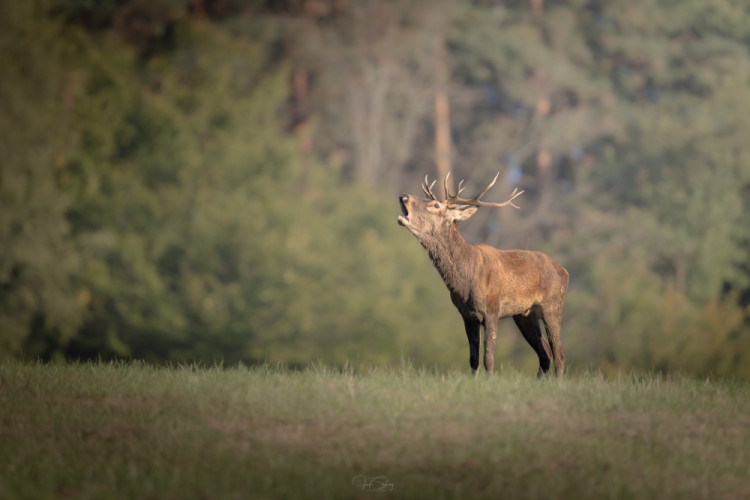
217 180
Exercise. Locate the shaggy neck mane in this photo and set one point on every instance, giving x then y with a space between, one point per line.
452 256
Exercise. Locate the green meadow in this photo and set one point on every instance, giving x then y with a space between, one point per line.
138 431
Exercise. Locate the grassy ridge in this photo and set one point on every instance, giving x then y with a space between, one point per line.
133 431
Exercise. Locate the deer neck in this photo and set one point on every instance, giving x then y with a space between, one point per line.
452 255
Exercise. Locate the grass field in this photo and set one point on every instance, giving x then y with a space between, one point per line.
134 431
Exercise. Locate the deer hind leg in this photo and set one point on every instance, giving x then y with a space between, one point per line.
552 321
472 333
490 336
529 326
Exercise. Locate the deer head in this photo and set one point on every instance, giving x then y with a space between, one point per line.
430 217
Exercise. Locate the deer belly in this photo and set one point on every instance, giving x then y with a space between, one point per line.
512 303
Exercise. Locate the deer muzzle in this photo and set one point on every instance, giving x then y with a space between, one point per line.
403 219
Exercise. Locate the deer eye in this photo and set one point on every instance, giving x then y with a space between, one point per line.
436 205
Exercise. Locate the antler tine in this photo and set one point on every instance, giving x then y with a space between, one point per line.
460 187
515 194
448 195
428 188
489 186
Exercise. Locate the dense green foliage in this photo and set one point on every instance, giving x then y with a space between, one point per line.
189 180
135 431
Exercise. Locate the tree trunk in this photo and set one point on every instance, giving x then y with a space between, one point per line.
442 117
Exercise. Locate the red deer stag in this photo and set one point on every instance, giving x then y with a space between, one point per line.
485 283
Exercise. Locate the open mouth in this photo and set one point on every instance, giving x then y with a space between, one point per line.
404 218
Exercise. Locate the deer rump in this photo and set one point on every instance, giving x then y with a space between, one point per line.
487 284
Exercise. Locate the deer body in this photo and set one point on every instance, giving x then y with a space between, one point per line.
487 284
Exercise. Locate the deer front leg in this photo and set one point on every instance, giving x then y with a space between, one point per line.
490 335
472 333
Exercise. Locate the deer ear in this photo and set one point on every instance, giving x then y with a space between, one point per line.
461 212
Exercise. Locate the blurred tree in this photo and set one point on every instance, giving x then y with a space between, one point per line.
666 211
532 101
671 72
178 162
374 69
38 306
198 240
207 179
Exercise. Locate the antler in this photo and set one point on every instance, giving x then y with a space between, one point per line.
454 199
428 188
